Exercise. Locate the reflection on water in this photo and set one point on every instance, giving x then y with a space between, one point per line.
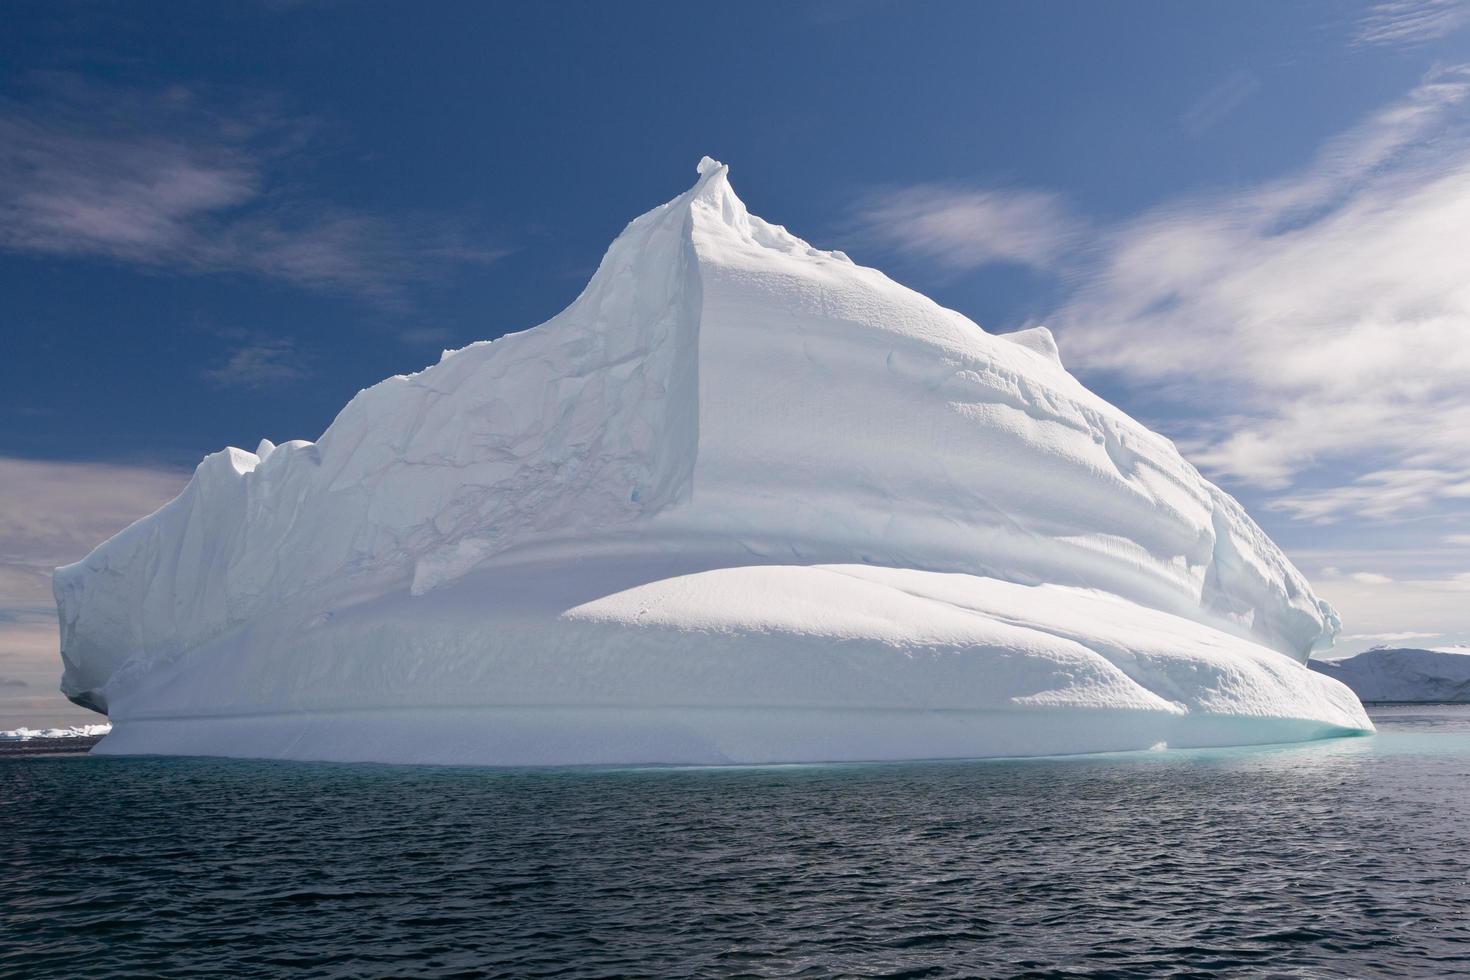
1343 858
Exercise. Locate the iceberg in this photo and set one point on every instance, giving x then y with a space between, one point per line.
743 501
1404 674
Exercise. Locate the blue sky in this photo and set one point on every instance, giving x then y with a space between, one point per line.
1248 223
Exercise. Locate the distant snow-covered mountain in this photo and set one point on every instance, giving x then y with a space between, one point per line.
1438 674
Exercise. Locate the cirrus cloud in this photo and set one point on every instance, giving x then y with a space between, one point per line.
962 228
1404 23
1327 313
183 180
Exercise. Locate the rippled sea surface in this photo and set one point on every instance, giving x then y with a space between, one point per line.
1345 858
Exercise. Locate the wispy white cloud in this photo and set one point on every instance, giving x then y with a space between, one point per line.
962 228
1380 495
1370 578
173 180
426 336
1403 636
260 363
1410 22
1383 609
1327 313
1221 100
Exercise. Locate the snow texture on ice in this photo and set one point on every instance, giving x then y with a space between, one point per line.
742 501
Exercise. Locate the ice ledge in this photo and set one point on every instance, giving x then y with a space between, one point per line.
555 736
1038 339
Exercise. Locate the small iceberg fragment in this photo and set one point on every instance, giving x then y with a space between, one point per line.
74 731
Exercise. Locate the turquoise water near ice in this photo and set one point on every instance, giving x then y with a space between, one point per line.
1345 858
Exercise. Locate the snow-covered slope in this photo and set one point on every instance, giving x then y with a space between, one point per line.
741 501
1404 674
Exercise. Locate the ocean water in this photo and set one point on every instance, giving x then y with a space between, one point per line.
1347 858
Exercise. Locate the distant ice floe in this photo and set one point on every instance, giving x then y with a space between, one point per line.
75 731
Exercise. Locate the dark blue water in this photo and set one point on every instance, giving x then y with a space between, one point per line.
1348 858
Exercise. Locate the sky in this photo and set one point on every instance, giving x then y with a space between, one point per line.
1248 225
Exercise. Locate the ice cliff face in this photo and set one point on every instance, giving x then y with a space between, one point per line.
722 395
